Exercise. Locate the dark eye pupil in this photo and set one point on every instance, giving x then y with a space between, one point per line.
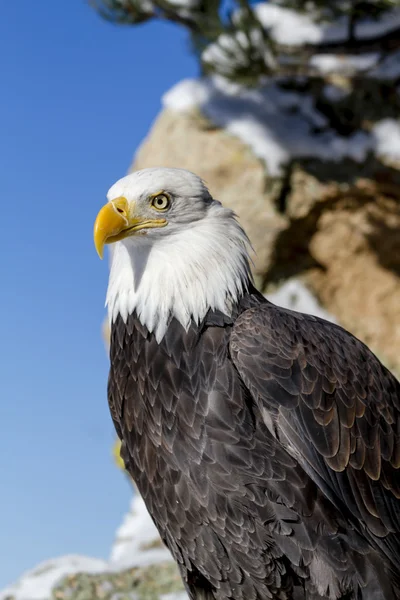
161 202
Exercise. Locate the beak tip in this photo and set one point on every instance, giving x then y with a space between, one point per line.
100 251
99 247
99 240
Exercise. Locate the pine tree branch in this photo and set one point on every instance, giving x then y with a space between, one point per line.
131 13
240 47
385 42
352 24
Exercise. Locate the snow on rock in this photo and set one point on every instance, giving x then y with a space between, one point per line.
37 583
387 138
275 123
291 28
294 295
134 539
187 94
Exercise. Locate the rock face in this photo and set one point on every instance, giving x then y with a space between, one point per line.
343 239
334 225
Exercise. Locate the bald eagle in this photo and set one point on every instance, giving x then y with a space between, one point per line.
265 442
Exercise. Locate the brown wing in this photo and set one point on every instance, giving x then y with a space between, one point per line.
334 406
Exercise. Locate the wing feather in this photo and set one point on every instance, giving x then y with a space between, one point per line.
336 406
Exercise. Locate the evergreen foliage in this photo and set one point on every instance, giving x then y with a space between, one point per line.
248 49
347 69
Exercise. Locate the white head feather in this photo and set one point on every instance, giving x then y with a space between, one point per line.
199 261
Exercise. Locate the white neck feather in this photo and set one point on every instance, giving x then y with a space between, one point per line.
182 275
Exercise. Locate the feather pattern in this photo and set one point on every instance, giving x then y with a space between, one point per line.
344 428
243 515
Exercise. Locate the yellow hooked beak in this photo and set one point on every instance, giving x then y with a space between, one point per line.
113 223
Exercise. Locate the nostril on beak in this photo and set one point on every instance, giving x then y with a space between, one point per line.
121 207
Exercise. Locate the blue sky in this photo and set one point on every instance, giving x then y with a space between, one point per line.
77 97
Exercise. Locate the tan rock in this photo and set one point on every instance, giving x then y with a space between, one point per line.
357 243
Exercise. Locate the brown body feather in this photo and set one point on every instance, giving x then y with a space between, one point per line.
266 448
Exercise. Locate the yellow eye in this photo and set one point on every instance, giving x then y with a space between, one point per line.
161 202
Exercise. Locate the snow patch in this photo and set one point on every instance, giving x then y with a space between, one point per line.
344 65
294 295
186 94
38 583
175 596
135 534
277 124
286 26
386 134
188 4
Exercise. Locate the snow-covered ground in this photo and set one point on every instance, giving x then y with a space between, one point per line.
37 583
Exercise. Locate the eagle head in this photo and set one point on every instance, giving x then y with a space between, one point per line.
151 202
176 251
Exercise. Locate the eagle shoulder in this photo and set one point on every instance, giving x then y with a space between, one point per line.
333 403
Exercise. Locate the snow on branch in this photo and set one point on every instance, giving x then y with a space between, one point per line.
244 41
